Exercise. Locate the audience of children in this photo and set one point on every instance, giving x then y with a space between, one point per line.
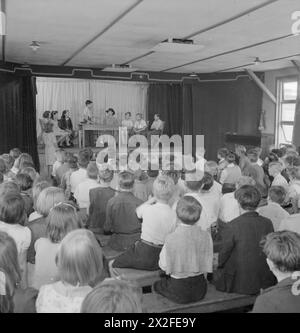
161 221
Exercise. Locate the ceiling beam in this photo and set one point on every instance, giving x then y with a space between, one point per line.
264 88
231 51
264 61
295 63
214 26
3 37
99 34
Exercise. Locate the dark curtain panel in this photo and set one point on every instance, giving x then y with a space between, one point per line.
18 114
166 99
296 132
209 108
214 108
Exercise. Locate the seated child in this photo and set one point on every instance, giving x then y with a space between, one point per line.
13 299
25 183
282 250
178 192
158 221
152 173
140 185
123 296
275 169
66 179
242 267
99 198
229 207
80 266
222 164
186 257
80 175
294 188
211 167
31 172
121 219
273 209
228 188
61 220
12 216
232 172
61 170
36 190
60 156
9 162
82 192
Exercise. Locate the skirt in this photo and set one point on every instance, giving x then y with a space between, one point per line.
182 291
140 255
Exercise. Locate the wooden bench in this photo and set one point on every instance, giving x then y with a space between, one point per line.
214 301
141 277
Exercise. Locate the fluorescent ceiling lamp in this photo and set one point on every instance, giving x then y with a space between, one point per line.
2 24
119 68
177 46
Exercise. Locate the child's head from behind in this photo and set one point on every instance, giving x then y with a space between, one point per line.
245 180
30 172
248 197
9 270
188 210
62 219
207 182
211 167
282 249
163 188
277 194
252 155
113 296
275 168
228 188
12 208
24 181
126 180
73 162
15 153
8 187
92 171
84 158
80 258
9 161
37 189
172 173
193 180
48 198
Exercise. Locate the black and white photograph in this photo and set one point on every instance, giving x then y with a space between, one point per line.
150 159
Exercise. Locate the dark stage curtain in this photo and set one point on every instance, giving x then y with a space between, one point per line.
18 114
210 108
166 99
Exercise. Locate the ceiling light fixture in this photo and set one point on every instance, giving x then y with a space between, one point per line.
257 61
34 46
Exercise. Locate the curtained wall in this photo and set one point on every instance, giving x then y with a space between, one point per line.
208 108
71 94
18 114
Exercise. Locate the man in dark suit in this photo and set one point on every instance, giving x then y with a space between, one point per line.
242 264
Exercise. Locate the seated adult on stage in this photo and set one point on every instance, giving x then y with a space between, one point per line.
140 125
156 127
128 123
63 136
67 125
110 120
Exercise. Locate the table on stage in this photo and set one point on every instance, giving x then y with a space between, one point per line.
99 129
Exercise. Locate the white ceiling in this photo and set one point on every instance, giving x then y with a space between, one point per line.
63 27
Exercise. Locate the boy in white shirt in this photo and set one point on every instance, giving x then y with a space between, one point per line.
275 169
60 156
212 168
80 175
273 209
159 220
229 206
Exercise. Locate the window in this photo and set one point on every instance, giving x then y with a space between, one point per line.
287 97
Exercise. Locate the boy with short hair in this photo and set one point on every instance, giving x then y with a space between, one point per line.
273 209
99 198
159 220
242 265
282 250
121 219
80 175
275 169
